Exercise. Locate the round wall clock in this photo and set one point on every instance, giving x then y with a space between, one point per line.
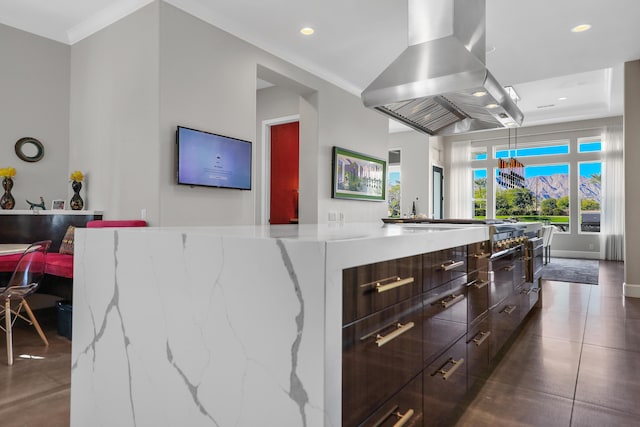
29 149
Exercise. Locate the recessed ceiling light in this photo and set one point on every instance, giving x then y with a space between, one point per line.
479 93
307 31
562 98
581 28
491 106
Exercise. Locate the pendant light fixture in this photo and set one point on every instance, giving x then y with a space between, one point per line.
511 171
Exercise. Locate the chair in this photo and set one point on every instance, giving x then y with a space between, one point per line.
24 281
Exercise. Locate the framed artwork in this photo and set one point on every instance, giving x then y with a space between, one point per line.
57 205
358 176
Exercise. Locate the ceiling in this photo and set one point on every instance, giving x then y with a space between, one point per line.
529 42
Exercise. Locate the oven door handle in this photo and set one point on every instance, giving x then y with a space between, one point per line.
451 264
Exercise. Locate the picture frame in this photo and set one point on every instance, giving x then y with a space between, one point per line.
58 205
358 176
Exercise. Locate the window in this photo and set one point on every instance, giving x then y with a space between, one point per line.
393 185
544 198
589 147
546 150
479 155
479 193
589 193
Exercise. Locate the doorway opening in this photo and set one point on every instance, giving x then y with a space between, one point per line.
281 160
438 197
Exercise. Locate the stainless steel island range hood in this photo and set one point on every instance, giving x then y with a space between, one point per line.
440 85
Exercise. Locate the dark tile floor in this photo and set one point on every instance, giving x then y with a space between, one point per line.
576 362
35 391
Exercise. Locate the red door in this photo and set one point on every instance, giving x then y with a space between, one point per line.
284 173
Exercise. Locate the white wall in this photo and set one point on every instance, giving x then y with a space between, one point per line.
632 177
34 102
208 81
415 170
114 116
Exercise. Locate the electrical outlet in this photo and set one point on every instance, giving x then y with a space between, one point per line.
143 214
332 216
340 216
591 246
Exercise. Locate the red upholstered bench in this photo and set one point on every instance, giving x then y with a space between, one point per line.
61 264
8 262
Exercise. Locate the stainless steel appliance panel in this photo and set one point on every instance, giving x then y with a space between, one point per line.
534 252
529 295
370 288
380 354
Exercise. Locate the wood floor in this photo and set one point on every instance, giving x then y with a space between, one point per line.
576 363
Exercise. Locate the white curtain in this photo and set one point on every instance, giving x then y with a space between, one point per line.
612 221
460 181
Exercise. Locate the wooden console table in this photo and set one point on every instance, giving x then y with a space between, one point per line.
26 226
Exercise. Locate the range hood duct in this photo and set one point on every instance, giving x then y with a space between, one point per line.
440 85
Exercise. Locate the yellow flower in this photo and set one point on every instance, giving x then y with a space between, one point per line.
8 172
76 176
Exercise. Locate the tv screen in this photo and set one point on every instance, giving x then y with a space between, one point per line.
211 160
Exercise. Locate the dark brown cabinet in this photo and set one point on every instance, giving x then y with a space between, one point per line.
445 384
419 332
370 288
404 408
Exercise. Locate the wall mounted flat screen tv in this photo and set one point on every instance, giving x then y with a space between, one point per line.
211 160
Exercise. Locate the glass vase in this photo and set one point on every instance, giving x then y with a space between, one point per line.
7 201
76 201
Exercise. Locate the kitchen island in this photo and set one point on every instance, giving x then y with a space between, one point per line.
222 326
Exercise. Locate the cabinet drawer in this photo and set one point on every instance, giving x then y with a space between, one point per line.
445 384
405 406
501 278
478 295
443 266
478 343
529 294
380 354
445 317
478 255
504 320
370 288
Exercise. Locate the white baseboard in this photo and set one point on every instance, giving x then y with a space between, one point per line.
630 290
575 254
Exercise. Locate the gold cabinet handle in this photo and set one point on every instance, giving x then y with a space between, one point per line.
451 264
481 337
509 309
403 418
455 365
479 284
401 329
509 268
451 299
481 255
392 285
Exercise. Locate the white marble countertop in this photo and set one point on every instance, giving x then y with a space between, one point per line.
47 212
